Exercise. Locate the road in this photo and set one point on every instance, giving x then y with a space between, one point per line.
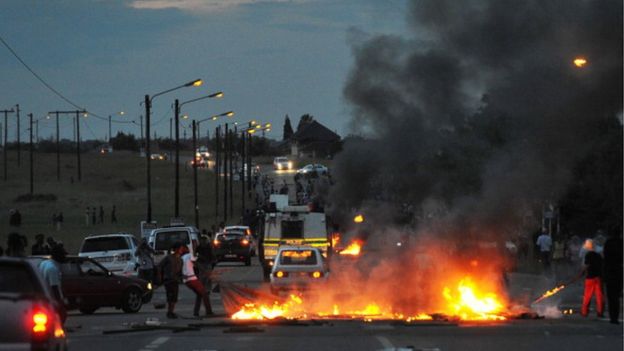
108 329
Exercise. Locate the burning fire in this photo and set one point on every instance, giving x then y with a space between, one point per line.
580 62
465 302
335 239
353 249
549 293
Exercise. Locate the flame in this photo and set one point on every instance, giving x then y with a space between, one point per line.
353 249
549 293
335 239
358 219
468 303
580 62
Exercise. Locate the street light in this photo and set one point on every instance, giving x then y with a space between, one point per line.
178 107
148 105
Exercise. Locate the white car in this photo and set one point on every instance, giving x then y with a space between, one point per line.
116 252
247 232
310 169
298 268
282 164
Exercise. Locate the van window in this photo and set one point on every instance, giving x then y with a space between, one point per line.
292 229
164 240
104 244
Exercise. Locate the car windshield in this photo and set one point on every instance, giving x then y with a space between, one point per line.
281 159
298 257
104 244
17 279
165 240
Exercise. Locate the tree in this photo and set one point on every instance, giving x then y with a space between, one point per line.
305 119
288 131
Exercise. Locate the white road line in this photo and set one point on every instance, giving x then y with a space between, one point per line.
385 343
155 344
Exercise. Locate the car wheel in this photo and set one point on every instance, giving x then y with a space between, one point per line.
132 300
87 310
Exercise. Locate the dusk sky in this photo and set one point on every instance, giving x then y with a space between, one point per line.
269 57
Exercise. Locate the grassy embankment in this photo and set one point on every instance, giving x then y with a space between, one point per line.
111 179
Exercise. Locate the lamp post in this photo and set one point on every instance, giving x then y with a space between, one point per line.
148 104
58 147
196 125
178 107
4 144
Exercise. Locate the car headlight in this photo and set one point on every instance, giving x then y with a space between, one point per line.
149 286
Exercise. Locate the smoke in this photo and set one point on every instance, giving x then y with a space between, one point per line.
479 114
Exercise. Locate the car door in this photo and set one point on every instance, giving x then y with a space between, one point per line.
104 288
72 283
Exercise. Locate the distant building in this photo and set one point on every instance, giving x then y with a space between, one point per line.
313 139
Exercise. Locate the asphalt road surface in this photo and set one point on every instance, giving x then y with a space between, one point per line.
110 329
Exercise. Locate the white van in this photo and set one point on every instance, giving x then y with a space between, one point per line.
116 252
161 239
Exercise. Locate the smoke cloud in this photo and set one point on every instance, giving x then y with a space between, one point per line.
479 115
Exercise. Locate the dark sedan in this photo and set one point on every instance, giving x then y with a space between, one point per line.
87 286
233 246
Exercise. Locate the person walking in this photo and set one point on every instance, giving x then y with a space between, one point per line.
51 273
113 215
593 282
544 242
145 254
171 270
193 283
613 273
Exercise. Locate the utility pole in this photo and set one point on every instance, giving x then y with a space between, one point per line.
243 171
30 149
109 129
225 173
249 145
170 128
232 167
58 149
196 205
37 130
217 168
6 135
147 157
78 143
19 153
177 159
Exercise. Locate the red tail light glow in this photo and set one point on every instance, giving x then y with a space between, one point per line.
40 322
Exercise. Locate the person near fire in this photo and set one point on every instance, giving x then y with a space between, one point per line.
544 242
592 270
614 272
193 283
171 271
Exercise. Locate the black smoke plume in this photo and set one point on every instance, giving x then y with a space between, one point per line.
479 115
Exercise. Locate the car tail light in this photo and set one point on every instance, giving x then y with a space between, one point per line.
40 322
316 274
281 274
244 242
248 231
216 242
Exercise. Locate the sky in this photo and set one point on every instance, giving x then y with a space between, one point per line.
271 58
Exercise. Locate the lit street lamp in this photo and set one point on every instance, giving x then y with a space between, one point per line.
178 107
148 105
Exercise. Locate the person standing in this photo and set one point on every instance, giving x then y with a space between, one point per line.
171 270
146 261
113 215
51 272
40 247
101 214
593 282
544 243
93 215
205 262
193 283
87 212
613 272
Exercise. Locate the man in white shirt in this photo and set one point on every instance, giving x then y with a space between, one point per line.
51 273
190 280
544 242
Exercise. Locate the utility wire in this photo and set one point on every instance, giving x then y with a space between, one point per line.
51 87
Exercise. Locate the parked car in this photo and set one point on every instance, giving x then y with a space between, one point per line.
312 169
161 239
243 229
87 286
232 246
298 268
162 156
116 252
29 318
282 164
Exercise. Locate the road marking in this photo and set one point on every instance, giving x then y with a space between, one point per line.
155 344
385 343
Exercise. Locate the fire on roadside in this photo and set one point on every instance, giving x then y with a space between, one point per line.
353 249
549 293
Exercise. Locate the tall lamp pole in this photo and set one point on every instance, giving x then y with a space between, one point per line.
4 144
148 104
